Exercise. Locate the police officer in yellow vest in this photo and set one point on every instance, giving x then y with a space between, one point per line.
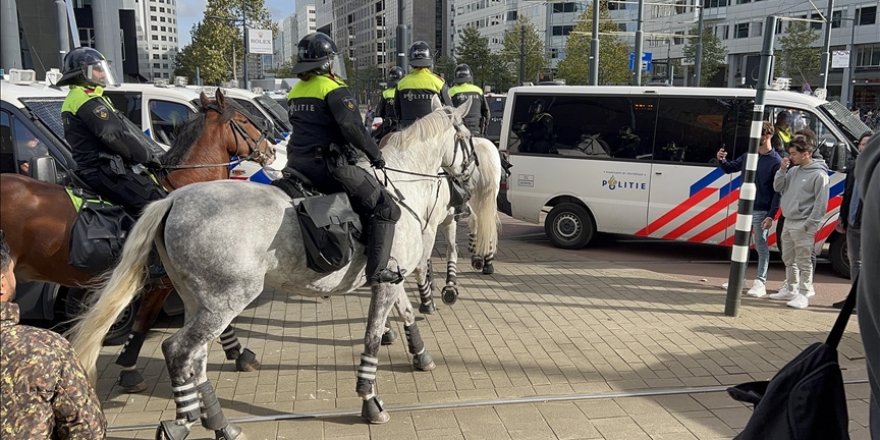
416 91
106 146
386 104
463 91
327 124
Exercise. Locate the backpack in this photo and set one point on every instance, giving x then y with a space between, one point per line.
805 400
97 236
329 228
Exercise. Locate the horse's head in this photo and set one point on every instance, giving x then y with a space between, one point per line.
244 128
459 160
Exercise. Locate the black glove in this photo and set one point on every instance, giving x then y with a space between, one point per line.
153 163
378 163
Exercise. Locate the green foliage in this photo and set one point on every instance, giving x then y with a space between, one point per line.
216 42
714 53
445 67
613 52
798 58
473 50
532 51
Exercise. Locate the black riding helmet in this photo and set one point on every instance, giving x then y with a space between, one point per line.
316 51
86 67
394 75
463 74
420 55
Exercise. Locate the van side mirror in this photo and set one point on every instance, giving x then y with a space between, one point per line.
44 169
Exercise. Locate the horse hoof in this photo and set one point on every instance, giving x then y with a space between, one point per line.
170 430
373 412
476 262
247 361
389 337
230 432
423 362
427 309
131 381
488 269
450 294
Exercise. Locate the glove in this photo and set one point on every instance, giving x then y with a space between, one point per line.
153 163
378 163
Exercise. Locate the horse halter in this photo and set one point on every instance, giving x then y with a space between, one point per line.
463 142
253 144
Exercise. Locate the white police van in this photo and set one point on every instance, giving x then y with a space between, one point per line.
641 160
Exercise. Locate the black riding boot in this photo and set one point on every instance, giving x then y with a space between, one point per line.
381 236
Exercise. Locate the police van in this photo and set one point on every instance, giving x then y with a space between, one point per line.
641 160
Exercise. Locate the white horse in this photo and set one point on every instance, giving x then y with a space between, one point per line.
193 234
483 225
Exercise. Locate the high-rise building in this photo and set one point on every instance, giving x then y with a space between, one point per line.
157 36
285 40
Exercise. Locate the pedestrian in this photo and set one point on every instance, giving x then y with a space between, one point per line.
766 201
782 133
868 180
386 104
804 190
45 393
849 220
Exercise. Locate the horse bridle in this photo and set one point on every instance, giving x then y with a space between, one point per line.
238 130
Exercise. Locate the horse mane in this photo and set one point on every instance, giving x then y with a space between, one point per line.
428 127
190 132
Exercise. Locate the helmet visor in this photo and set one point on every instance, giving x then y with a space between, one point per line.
100 73
337 66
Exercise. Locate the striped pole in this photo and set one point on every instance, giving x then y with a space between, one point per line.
739 256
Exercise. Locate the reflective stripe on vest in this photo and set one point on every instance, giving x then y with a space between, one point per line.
464 88
389 93
317 87
79 95
421 79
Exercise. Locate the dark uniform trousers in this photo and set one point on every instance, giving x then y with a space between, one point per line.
133 191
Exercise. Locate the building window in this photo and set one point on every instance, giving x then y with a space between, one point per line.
155 38
816 24
152 9
163 28
757 29
722 31
164 38
561 8
156 65
155 56
161 9
511 15
162 19
154 28
741 30
868 56
152 18
866 15
164 56
562 30
380 6
715 3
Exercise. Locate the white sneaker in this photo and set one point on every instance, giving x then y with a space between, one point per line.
784 293
799 302
811 292
758 289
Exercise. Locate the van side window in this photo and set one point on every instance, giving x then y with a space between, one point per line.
129 103
7 154
27 146
583 126
692 129
167 118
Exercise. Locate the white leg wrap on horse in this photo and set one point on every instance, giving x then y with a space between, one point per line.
425 293
186 399
229 341
366 374
472 242
451 272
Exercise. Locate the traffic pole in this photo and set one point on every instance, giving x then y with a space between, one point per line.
739 256
594 47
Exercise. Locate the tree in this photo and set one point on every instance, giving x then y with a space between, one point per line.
613 53
798 57
473 50
217 39
714 53
532 51
445 67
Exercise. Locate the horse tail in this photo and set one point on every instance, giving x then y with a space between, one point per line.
484 199
116 293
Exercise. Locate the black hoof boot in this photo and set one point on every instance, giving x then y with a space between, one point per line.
247 361
389 337
373 411
424 362
488 268
476 262
170 430
450 294
233 353
131 381
427 309
230 432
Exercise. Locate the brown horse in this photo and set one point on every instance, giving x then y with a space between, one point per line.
37 216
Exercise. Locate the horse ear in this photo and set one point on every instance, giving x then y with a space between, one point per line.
220 98
204 100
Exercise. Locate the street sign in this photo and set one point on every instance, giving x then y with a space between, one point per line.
647 57
260 41
840 59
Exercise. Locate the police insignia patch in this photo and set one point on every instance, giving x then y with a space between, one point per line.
349 103
102 113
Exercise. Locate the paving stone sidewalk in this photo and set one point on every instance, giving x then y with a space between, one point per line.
547 323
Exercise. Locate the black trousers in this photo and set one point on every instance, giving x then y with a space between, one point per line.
368 197
132 191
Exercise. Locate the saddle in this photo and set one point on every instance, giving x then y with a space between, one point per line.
329 225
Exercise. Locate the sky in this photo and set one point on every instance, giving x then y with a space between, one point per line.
189 12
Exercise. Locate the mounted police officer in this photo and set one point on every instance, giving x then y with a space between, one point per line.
415 93
327 123
386 104
107 147
464 91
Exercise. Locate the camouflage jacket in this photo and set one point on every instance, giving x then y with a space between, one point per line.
44 393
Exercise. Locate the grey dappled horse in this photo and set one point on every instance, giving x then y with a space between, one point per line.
193 234
483 226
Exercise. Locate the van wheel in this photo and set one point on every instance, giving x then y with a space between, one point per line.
569 226
838 255
120 329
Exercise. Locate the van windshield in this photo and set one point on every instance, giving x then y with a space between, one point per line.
843 118
278 113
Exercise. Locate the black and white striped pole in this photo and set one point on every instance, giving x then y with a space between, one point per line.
739 257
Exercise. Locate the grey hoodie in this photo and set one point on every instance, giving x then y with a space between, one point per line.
804 192
868 179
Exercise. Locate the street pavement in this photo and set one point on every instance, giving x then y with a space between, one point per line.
624 340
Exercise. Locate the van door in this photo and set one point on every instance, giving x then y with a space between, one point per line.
690 195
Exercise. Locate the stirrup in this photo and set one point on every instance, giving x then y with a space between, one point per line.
388 276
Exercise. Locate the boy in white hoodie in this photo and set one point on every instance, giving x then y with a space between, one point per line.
804 190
